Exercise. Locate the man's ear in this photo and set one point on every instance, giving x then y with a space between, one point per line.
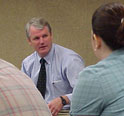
97 40
29 41
51 36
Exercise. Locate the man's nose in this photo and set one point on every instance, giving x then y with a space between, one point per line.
41 40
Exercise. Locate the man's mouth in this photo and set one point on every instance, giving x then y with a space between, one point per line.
42 47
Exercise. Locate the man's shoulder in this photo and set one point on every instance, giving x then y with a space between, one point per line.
63 50
30 58
66 54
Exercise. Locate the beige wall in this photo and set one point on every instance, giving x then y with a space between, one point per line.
70 21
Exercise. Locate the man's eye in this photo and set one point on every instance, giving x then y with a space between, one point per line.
44 35
36 38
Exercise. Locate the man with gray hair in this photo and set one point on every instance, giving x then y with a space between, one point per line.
53 68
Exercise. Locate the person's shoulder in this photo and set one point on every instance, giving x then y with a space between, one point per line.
4 64
66 52
64 49
67 55
30 58
94 69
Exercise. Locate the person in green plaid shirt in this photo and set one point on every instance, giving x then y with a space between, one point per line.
18 94
100 88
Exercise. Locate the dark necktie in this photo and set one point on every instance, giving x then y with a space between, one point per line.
41 83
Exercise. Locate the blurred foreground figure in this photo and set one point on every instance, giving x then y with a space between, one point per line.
18 94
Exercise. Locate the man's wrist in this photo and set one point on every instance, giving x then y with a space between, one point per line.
63 100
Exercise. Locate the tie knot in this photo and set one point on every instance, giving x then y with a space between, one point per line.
42 61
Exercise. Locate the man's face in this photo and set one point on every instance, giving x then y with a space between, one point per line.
40 40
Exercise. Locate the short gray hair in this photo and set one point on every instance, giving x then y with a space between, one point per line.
38 23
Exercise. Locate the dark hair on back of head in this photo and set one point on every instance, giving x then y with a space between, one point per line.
108 23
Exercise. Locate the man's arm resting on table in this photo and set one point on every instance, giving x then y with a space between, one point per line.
56 105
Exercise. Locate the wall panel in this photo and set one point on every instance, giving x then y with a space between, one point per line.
70 21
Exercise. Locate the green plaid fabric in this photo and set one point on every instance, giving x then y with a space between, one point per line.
100 88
